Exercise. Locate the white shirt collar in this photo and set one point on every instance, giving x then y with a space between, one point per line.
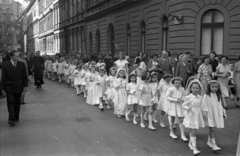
12 62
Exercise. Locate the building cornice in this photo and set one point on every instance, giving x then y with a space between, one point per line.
29 6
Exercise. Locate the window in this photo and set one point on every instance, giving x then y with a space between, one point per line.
77 39
73 40
128 39
212 32
90 43
98 39
1 31
143 36
164 33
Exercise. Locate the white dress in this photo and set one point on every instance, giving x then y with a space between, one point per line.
83 79
163 102
88 73
120 97
101 82
145 99
122 64
76 74
175 108
60 68
92 93
49 65
223 81
154 90
193 115
214 110
110 90
67 68
71 71
54 67
132 96
143 66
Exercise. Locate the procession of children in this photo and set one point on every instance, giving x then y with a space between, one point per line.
141 96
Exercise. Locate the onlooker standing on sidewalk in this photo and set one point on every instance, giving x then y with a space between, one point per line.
15 81
38 69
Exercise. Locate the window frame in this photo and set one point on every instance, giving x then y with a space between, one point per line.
128 48
165 29
212 27
143 36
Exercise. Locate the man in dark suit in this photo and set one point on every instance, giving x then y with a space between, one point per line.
38 68
14 82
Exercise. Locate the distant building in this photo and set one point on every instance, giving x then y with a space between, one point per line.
9 25
40 33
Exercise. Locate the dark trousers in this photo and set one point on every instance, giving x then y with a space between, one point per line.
38 78
13 103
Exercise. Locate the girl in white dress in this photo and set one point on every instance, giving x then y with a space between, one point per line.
120 97
71 71
92 93
66 71
132 89
101 82
213 111
54 69
82 83
49 68
175 96
76 75
60 69
155 98
163 86
145 99
193 116
110 90
122 63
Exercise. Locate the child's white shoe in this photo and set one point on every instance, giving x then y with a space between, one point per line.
162 125
172 135
142 125
214 145
209 143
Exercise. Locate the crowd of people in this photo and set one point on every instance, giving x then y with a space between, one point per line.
191 92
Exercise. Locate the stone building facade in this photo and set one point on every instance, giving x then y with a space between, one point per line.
133 26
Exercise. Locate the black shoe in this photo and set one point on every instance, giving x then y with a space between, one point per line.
40 86
37 87
23 103
11 123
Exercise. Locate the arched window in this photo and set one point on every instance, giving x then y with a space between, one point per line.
90 43
164 33
212 32
98 41
111 39
128 39
143 36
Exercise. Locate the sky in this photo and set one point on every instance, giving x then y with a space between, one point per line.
23 2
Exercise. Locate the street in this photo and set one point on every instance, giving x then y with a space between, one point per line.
57 122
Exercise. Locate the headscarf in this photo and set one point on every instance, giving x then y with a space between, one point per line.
121 69
190 85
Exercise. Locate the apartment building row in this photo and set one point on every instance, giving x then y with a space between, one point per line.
93 26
